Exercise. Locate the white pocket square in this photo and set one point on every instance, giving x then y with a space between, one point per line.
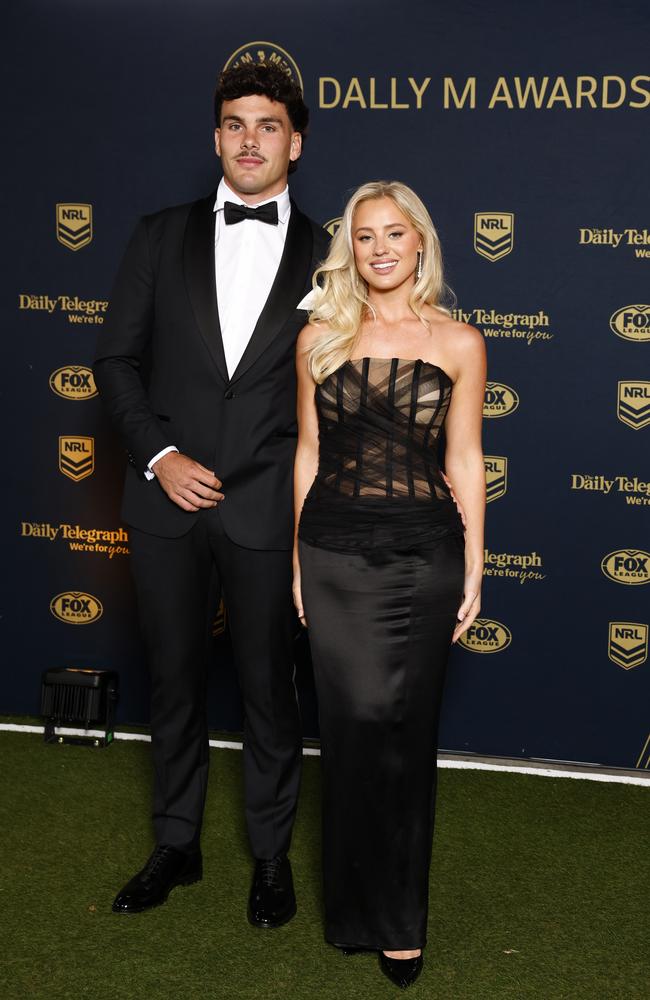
308 302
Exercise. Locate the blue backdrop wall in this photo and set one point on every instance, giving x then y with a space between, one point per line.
525 130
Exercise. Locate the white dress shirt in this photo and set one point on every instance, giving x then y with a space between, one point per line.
246 260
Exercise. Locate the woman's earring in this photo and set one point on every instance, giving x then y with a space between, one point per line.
418 271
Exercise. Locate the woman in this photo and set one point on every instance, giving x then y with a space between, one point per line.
380 563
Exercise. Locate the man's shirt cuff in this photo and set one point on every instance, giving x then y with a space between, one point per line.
148 472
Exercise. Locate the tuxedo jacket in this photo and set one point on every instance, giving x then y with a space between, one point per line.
161 372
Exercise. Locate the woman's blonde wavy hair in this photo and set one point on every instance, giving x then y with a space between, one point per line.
341 299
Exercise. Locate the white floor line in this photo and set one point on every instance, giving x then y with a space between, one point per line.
469 765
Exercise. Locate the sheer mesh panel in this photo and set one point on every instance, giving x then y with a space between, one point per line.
379 423
378 480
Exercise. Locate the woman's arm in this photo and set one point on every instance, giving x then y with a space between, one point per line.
306 461
464 462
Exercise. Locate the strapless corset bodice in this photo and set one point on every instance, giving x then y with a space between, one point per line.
378 479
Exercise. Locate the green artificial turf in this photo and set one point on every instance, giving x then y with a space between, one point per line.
539 889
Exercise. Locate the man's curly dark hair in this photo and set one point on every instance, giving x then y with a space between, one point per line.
271 81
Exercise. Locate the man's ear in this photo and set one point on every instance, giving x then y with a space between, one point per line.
217 141
296 146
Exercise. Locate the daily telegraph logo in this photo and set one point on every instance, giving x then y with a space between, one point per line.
633 404
333 225
635 491
628 566
486 636
73 382
631 322
526 328
494 234
74 225
639 239
78 310
499 400
76 457
520 566
496 476
76 608
265 52
628 644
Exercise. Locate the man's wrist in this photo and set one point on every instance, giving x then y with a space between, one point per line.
149 472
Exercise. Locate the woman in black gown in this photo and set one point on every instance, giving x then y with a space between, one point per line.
387 578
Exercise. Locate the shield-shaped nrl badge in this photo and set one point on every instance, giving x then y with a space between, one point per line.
494 234
496 476
74 225
628 644
76 457
633 405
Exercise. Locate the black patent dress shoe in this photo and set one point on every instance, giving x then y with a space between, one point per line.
401 971
166 868
272 901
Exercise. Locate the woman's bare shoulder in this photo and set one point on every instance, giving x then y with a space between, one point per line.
457 336
310 334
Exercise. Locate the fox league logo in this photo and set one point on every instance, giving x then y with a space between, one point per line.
628 644
76 608
631 323
485 635
494 234
73 382
74 225
628 566
500 400
333 225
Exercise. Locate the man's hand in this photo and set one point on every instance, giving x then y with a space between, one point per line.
188 483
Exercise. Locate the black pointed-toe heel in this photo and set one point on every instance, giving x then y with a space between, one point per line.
401 971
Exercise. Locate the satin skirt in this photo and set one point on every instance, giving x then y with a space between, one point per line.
380 626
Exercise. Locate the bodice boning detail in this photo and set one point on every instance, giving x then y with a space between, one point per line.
378 480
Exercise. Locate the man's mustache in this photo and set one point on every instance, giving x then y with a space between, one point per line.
249 156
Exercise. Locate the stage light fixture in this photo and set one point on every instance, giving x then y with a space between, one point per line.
76 698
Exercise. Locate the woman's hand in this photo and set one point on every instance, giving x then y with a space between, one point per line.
297 595
471 605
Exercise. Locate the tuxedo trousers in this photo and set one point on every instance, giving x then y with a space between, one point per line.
177 583
380 626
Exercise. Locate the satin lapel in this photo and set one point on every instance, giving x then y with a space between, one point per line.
198 268
286 291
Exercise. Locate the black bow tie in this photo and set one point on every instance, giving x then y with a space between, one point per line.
265 213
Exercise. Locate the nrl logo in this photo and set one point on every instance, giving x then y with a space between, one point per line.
76 457
333 225
628 644
486 636
76 608
265 52
500 400
74 225
494 234
496 476
633 405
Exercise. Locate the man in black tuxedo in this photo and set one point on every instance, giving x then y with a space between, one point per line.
196 368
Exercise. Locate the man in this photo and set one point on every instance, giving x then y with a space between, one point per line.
196 368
